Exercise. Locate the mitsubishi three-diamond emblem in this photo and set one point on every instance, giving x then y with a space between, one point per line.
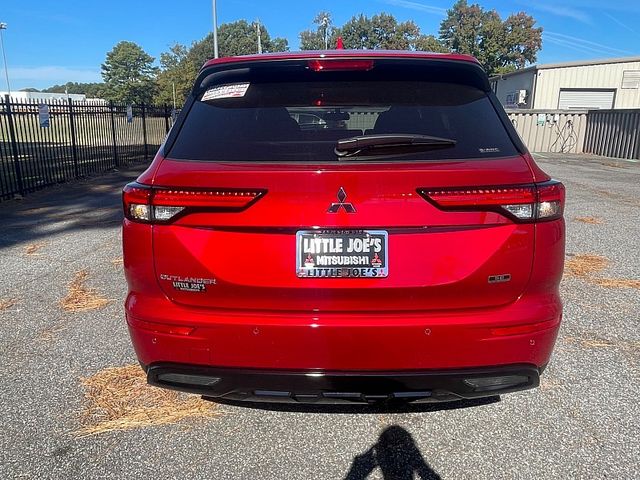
336 206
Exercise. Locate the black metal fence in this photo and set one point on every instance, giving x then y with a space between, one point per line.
81 138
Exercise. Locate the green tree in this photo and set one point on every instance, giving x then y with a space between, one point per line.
358 33
381 31
129 74
313 39
499 45
175 73
429 43
91 90
180 65
237 38
523 40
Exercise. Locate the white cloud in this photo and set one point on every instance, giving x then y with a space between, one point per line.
562 11
582 44
623 25
51 74
416 6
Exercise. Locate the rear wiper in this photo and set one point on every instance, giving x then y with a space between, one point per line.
389 143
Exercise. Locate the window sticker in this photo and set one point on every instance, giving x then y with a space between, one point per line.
232 90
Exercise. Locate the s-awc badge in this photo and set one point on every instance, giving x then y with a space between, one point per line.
188 284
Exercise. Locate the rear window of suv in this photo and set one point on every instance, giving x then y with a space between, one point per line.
293 114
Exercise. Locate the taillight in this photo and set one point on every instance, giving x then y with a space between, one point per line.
136 201
147 204
551 197
523 203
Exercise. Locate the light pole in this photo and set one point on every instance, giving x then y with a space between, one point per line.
3 26
325 22
215 30
259 39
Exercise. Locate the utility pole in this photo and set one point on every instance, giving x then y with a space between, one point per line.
259 40
173 84
325 22
3 26
215 30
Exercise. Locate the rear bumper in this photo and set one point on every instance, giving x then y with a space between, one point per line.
343 387
522 333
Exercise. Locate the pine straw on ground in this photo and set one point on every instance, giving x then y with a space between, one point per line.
617 282
548 383
595 343
32 248
117 261
583 265
589 220
119 398
81 298
6 303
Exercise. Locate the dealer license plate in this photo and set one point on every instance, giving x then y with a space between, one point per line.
341 254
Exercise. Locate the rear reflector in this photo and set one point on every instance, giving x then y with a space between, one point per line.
524 329
158 205
339 65
160 327
543 201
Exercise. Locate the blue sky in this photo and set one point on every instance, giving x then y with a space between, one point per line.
51 42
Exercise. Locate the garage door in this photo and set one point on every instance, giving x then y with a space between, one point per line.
586 99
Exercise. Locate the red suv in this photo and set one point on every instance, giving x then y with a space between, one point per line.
343 226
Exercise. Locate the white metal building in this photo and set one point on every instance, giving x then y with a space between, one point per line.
41 96
586 85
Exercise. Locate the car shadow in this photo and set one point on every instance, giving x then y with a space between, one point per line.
387 407
396 455
93 202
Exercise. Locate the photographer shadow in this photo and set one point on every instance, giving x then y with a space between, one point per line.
396 455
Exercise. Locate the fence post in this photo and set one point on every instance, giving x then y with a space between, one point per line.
116 163
14 145
144 134
74 151
166 117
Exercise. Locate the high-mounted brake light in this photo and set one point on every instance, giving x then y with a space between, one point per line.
542 201
332 65
159 205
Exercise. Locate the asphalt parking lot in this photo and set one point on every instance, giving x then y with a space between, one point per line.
584 421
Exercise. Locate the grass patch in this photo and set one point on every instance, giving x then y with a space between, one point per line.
589 220
119 398
81 298
584 265
7 303
33 248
